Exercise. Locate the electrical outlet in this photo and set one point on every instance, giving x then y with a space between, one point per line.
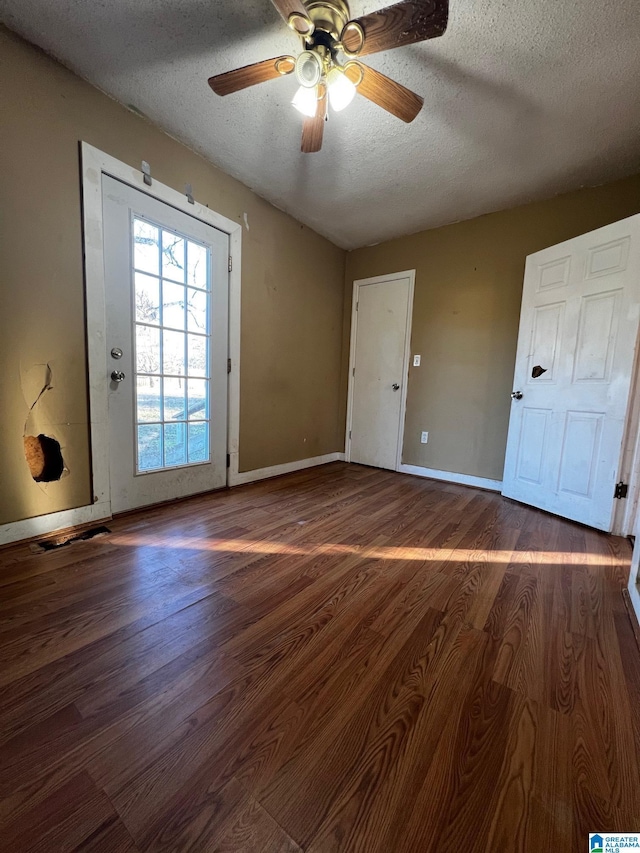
416 361
424 437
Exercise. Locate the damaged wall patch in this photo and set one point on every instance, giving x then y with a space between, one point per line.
42 452
44 458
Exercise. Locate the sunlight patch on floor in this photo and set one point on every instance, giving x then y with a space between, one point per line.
371 552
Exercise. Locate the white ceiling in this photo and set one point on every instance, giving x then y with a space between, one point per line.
524 99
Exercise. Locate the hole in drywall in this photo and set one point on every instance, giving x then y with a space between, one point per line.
44 458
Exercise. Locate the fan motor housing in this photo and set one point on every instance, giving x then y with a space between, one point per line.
329 15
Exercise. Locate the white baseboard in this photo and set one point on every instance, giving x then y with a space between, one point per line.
44 524
450 477
239 478
41 525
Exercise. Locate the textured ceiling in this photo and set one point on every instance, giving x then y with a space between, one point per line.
524 99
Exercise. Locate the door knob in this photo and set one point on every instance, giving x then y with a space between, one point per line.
516 395
117 375
395 386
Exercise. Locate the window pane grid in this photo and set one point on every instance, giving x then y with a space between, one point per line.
172 307
155 328
147 274
182 376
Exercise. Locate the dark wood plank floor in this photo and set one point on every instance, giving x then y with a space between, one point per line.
343 659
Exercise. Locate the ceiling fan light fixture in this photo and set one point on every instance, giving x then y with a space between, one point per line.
305 101
308 69
328 70
341 90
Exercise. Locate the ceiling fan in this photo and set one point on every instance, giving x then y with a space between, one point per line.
328 69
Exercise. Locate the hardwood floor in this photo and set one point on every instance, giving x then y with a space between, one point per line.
342 659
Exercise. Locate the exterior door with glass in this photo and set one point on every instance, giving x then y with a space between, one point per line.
167 285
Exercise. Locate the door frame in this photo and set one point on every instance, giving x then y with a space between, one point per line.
633 587
357 284
95 163
625 511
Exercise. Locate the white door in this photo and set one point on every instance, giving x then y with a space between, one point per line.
166 281
575 357
380 333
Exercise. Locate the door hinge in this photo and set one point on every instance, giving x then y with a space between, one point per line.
353 372
357 303
228 460
230 263
621 490
349 433
146 173
228 365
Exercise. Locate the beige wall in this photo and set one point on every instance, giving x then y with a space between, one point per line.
465 318
291 309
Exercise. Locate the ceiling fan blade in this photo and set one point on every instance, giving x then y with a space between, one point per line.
404 23
250 75
300 23
385 92
313 128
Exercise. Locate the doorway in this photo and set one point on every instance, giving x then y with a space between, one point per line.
221 407
378 369
166 277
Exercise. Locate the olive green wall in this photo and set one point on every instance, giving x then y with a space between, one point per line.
465 318
292 320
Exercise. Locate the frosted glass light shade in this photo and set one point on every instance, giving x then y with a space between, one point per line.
341 90
306 101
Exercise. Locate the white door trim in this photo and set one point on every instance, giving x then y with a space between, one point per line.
380 279
634 595
625 511
633 587
93 164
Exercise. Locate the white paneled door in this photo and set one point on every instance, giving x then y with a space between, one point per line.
574 364
166 284
380 332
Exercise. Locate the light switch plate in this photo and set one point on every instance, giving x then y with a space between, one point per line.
416 361
424 437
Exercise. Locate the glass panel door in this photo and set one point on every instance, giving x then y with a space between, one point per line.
172 305
166 286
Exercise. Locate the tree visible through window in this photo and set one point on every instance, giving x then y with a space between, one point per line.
172 305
